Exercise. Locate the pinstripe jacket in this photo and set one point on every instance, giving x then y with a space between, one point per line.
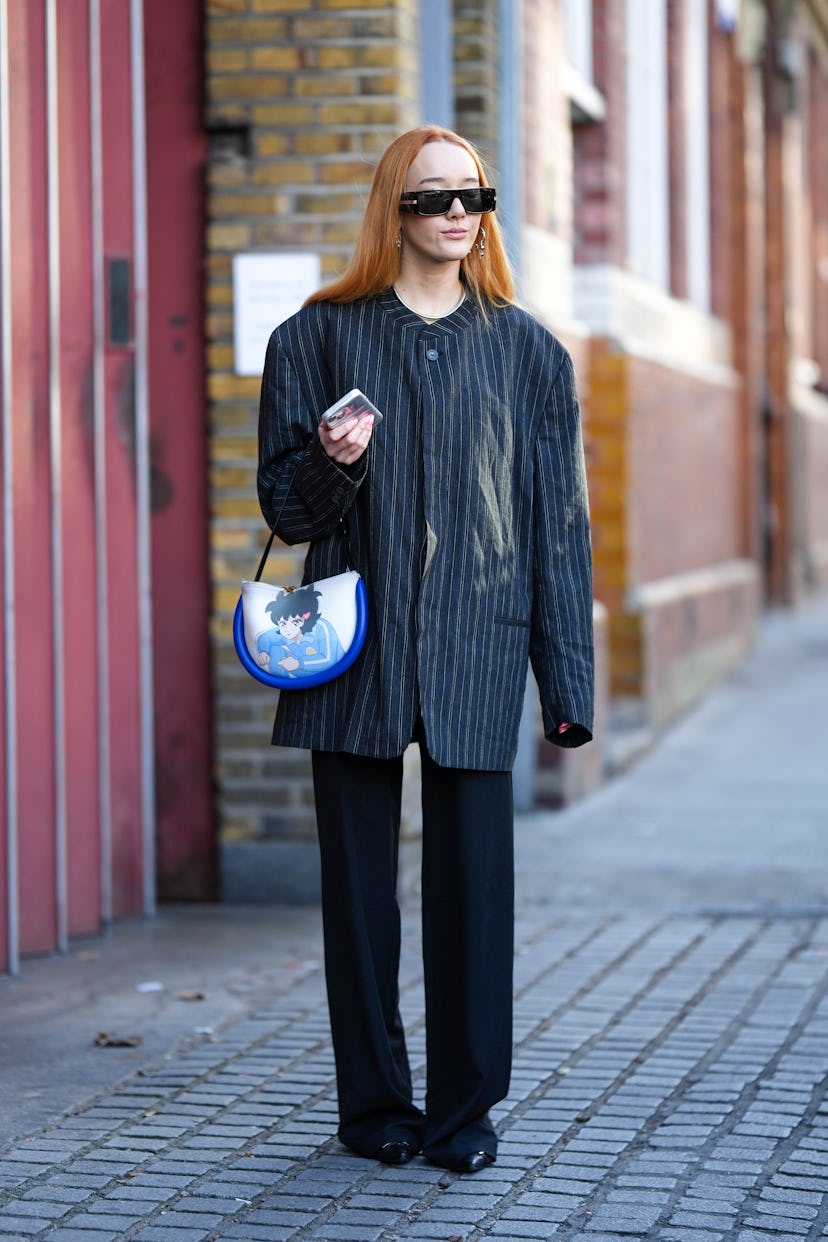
467 517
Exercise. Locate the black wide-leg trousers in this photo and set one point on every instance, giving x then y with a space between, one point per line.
468 942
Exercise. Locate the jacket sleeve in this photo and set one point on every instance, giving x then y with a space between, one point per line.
561 644
301 490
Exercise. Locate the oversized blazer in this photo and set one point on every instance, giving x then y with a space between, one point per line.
467 517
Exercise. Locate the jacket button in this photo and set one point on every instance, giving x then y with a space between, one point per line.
432 355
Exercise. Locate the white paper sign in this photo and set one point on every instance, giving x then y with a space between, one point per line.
267 289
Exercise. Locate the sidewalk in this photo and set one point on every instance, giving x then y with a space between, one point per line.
671 1028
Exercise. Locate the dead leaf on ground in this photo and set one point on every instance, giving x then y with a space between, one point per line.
194 995
105 1040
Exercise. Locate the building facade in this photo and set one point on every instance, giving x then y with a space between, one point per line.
662 176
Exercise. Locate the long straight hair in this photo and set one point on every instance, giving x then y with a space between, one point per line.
376 260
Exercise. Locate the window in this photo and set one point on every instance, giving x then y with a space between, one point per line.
647 172
697 153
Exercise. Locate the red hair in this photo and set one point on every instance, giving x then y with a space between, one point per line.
376 260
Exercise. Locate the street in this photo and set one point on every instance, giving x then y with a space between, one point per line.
671 1027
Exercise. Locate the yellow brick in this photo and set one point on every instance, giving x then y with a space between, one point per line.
383 84
252 86
249 33
220 357
241 205
218 327
358 56
322 144
374 143
234 386
219 295
234 448
236 507
329 204
224 175
286 233
283 114
234 477
227 236
340 233
277 58
223 539
278 6
272 144
325 85
226 6
283 172
239 418
227 60
226 113
358 113
341 173
308 28
218 266
225 598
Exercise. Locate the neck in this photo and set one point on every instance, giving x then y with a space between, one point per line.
431 294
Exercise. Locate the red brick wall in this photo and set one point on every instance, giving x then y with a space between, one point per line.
684 461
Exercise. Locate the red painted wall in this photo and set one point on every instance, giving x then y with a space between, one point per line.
54 428
176 157
34 710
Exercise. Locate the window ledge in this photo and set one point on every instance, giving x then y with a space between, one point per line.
586 103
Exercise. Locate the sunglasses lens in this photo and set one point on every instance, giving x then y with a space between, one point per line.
434 202
472 200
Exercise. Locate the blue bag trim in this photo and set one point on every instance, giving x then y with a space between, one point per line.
282 681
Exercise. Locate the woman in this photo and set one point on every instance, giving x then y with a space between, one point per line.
466 513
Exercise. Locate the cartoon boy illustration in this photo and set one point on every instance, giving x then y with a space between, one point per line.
301 641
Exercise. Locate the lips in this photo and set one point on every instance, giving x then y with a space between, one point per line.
456 234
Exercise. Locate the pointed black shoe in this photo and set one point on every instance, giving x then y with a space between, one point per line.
397 1153
474 1162
471 1163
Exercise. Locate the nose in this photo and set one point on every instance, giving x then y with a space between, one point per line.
456 208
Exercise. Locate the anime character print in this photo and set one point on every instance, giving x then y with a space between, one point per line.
301 641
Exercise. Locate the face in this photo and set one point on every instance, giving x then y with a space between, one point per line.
290 628
429 240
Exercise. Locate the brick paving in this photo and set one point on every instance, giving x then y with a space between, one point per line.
670 1061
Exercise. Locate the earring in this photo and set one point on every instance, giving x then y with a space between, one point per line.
481 242
398 240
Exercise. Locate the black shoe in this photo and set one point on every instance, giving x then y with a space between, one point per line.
395 1153
472 1163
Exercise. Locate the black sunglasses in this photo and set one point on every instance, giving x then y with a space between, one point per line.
476 201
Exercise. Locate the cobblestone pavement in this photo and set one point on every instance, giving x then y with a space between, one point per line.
671 1041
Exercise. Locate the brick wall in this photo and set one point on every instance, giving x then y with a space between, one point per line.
683 459
301 96
663 453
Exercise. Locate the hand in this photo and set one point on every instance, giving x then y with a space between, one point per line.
347 442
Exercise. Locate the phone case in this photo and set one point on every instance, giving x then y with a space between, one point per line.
353 403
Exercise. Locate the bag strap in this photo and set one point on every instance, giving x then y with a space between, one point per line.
343 527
